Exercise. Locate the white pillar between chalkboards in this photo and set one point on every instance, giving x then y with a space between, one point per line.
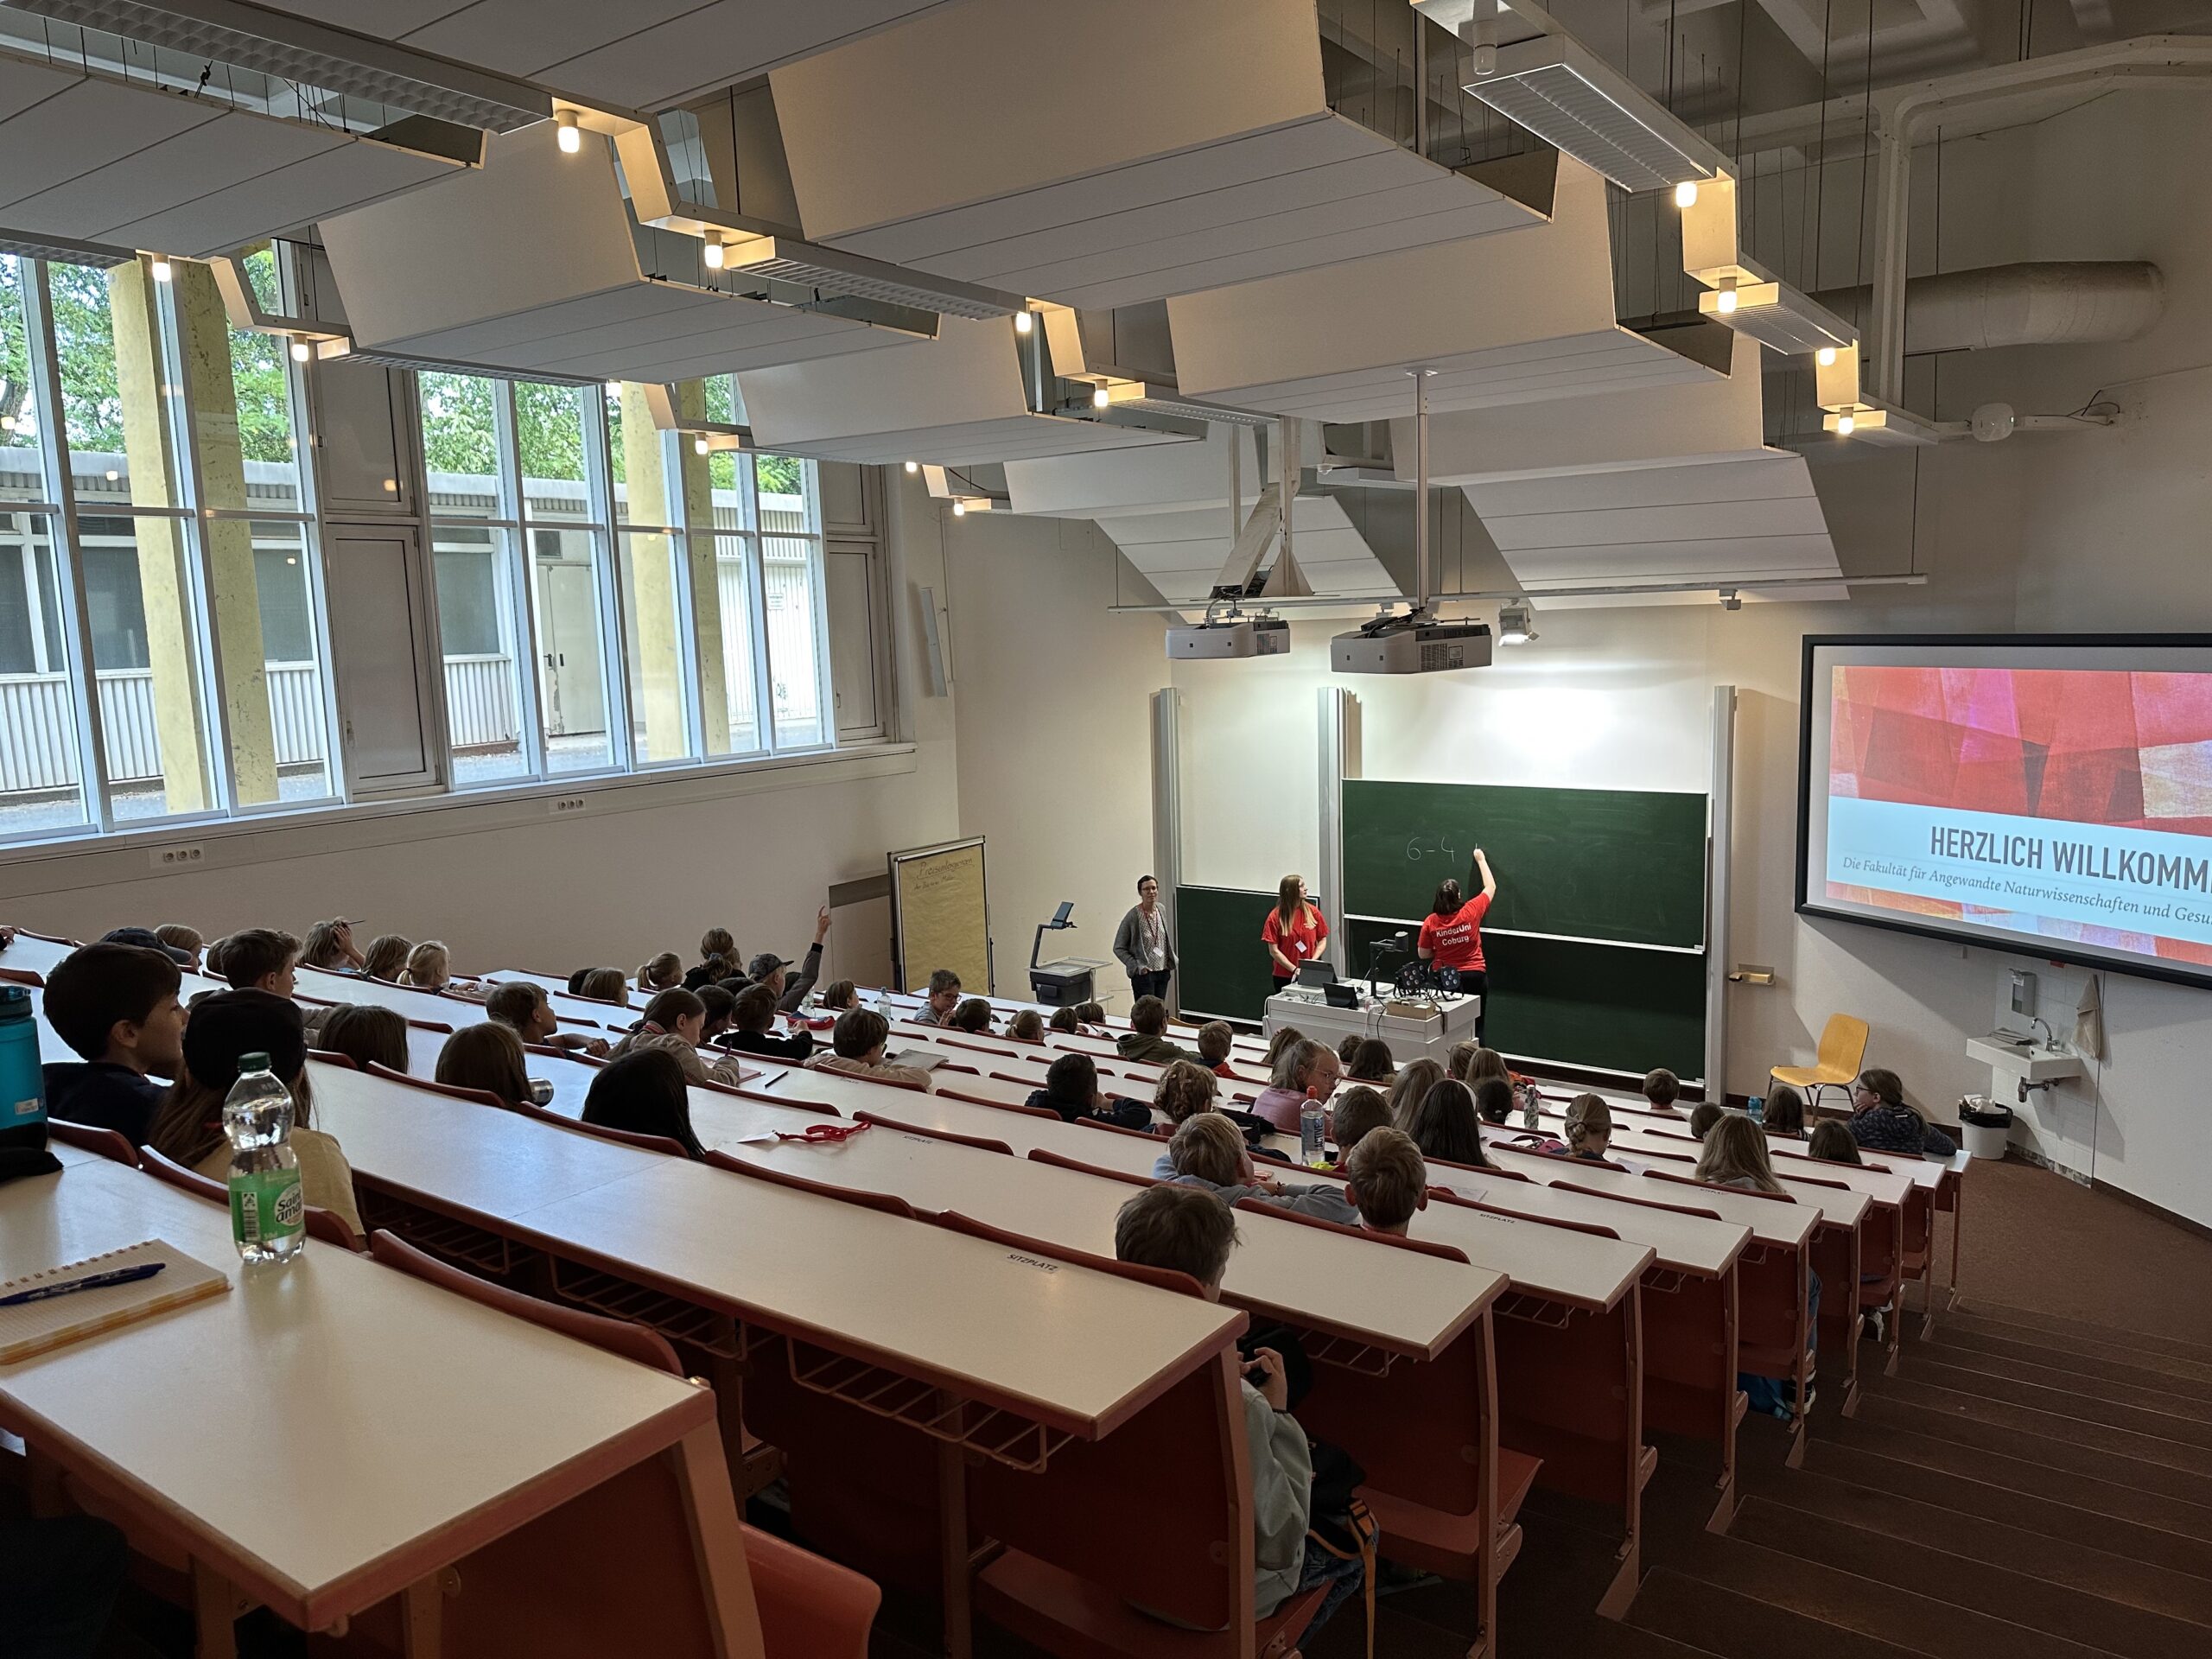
1721 801
1337 724
1167 814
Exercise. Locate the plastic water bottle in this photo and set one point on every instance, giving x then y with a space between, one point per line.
23 1085
1311 1135
268 1208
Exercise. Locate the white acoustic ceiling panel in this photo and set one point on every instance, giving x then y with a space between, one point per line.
1734 521
956 401
1715 419
466 272
1105 152
642 55
1173 478
1181 553
1494 319
94 160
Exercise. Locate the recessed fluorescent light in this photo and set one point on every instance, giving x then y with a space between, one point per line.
1581 105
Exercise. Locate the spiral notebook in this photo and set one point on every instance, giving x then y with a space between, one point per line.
39 1327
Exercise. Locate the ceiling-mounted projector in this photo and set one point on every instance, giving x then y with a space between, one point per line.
1411 644
1229 637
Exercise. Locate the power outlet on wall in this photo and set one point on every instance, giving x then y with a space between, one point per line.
170 858
563 805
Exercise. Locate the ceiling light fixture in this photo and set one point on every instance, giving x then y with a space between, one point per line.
568 134
1845 425
1725 302
614 388
1824 357
1024 321
712 253
960 509
1578 104
699 444
1515 624
1101 398
1686 194
161 269
913 467
300 351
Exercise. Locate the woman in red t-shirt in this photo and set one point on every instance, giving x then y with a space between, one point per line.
1452 937
1295 930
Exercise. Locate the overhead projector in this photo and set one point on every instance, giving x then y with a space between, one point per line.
1418 643
1232 637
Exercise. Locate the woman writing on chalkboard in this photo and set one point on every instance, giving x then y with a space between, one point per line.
1452 937
1294 931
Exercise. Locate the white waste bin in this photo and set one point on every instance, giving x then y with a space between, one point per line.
1985 1126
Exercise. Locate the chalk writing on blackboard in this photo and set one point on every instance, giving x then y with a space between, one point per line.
1439 845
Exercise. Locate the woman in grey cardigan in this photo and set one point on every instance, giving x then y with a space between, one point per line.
1142 946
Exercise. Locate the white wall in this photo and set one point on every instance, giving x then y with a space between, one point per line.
1054 732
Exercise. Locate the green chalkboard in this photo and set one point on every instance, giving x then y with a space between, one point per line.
1221 967
1627 865
1576 1004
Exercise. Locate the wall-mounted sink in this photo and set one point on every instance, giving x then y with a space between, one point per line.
2021 1057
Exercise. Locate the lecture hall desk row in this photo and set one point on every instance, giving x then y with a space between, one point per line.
412 1462
928 1387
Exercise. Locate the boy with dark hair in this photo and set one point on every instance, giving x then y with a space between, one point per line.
1072 1089
1661 1088
116 1006
856 1045
972 1016
1494 1099
750 1021
1191 1231
256 959
1207 1151
1703 1116
1358 1113
1145 1039
522 1006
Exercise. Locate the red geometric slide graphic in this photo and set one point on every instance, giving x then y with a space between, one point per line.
2082 746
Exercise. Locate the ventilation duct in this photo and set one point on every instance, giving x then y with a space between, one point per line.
2053 303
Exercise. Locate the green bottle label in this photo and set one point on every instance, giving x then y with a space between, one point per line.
266 1206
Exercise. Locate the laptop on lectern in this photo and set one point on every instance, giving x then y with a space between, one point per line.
1315 974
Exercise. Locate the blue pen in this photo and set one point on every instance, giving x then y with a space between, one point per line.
94 1281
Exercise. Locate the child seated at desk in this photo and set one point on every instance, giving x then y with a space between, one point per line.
1589 1128
661 973
972 1016
178 936
1090 1020
1444 1126
1207 1152
644 1093
1192 1231
839 994
386 957
225 1026
1784 1115
943 997
1358 1113
366 1034
1494 1099
487 1057
256 959
1187 1088
751 1018
522 1006
1064 1021
1832 1142
856 1051
1347 1048
1027 1027
1704 1115
1409 1088
1072 1089
1145 1040
1661 1088
1215 1040
1882 1120
1734 1155
116 1006
1389 1180
676 1020
1370 1061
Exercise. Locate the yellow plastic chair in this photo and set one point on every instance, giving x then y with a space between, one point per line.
1843 1046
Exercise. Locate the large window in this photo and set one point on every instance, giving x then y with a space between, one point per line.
613 591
